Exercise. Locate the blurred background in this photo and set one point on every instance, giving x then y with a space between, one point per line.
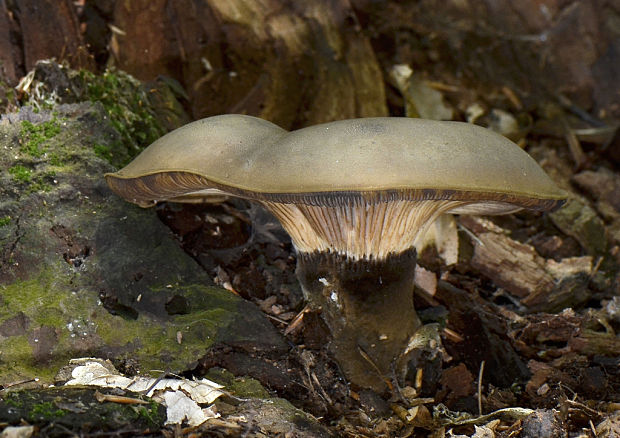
304 62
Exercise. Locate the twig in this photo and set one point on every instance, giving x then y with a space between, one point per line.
118 399
574 145
480 373
452 335
583 407
324 394
19 382
275 318
296 322
159 379
512 97
419 376
582 114
471 234
440 86
593 428
375 367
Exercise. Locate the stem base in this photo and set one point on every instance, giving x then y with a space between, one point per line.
368 306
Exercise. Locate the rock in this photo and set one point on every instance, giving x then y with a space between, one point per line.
258 414
17 432
85 273
68 411
140 113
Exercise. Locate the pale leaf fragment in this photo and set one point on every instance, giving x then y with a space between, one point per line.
181 407
181 396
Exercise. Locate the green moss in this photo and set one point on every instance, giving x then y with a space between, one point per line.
46 411
150 414
41 183
4 221
75 411
12 401
37 183
18 362
103 151
20 173
39 186
243 387
127 105
33 136
55 159
46 299
38 297
156 346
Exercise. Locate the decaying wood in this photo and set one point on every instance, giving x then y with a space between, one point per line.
592 342
46 29
291 63
556 335
542 285
11 58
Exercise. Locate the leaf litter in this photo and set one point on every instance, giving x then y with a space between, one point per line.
182 397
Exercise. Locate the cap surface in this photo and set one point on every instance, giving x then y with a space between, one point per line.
422 158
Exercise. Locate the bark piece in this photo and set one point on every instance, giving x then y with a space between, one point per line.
542 285
457 382
558 335
603 185
71 411
582 223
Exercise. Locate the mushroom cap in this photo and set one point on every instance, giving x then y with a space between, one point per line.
380 157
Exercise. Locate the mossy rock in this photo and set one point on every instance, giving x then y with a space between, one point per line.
69 410
83 273
139 113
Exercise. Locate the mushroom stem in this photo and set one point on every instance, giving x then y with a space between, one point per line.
368 306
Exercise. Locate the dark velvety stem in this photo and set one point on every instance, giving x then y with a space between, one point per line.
368 306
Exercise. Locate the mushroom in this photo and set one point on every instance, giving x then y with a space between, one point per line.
356 196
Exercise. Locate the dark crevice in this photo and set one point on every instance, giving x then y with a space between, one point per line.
7 255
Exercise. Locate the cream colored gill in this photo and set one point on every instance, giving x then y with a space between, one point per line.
359 230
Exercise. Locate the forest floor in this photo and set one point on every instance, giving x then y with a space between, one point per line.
527 305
